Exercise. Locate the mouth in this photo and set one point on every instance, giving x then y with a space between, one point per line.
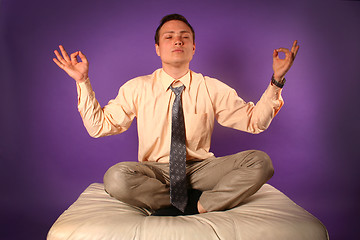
177 50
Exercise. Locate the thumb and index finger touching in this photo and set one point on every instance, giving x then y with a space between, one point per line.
74 59
288 53
62 60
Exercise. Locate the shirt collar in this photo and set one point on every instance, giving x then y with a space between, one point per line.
167 80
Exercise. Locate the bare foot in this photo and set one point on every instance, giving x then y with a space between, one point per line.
200 208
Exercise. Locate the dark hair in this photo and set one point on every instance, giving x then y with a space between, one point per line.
171 17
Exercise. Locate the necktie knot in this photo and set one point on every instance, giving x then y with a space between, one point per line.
177 90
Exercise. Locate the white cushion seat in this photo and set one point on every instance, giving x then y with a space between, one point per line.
268 214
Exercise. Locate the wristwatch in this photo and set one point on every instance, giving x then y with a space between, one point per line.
276 83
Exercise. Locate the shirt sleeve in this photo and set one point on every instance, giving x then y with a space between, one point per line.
232 111
116 117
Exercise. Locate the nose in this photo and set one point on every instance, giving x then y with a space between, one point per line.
178 42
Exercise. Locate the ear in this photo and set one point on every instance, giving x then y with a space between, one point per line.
194 47
157 50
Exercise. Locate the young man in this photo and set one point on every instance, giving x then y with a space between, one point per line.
175 110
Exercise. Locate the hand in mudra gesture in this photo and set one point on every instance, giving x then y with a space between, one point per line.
282 66
77 70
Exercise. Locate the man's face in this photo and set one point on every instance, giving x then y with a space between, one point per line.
176 46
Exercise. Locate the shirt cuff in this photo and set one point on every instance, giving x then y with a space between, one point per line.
274 98
274 92
84 91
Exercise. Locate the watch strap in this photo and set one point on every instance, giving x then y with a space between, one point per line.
276 83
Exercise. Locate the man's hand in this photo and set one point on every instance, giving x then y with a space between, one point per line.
77 70
281 66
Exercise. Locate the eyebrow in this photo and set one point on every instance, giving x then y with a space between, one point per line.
183 31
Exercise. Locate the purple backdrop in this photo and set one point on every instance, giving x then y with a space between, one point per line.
48 159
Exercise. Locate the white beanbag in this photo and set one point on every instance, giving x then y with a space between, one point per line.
266 215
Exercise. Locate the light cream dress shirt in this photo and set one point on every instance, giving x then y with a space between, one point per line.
149 99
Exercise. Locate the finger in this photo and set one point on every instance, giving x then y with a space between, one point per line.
288 53
58 63
284 50
83 57
275 55
59 57
289 56
296 50
294 46
73 57
64 53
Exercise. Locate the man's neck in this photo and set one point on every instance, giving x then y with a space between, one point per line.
176 72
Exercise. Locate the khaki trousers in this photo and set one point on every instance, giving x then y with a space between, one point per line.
225 181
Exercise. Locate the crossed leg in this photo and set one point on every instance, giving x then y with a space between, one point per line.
225 181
